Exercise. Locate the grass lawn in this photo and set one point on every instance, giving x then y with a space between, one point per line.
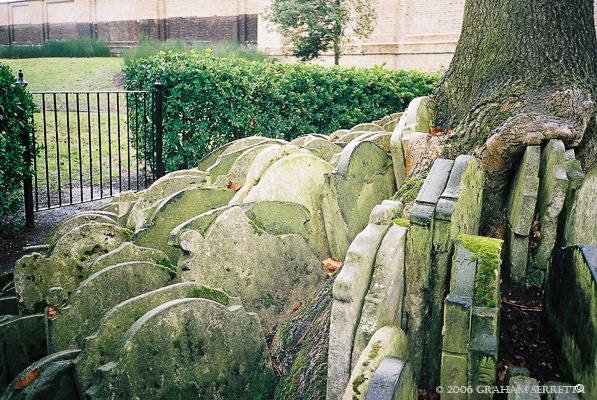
98 73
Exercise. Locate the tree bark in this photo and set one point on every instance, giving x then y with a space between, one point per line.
524 72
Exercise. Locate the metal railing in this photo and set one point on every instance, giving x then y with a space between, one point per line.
91 145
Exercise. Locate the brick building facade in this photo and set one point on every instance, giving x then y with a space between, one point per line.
419 34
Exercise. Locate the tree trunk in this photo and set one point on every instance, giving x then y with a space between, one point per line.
524 72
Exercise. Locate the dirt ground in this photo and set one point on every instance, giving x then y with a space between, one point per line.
11 246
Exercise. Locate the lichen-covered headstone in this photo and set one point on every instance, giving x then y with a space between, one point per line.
212 157
580 227
43 280
161 189
271 273
76 221
174 210
105 344
128 252
552 192
349 292
206 351
321 147
388 341
298 178
99 293
419 245
362 179
383 302
23 341
393 379
237 172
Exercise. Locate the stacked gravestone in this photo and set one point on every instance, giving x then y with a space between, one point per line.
419 245
580 227
571 311
271 273
470 330
320 145
362 179
521 212
388 341
392 380
349 292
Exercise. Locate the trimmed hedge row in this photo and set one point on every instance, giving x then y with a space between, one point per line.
16 110
211 101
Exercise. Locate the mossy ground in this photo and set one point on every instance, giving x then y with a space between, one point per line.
407 193
488 251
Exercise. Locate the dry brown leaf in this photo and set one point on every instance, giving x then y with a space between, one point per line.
51 312
435 131
24 381
331 265
296 306
234 186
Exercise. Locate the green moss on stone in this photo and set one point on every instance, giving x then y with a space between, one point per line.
257 226
402 222
358 381
409 190
205 292
487 250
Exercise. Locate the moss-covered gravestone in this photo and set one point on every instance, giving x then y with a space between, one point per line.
174 210
99 293
128 252
239 168
419 261
43 280
271 273
388 341
580 227
76 221
206 351
349 292
521 212
105 344
393 379
23 341
362 179
321 147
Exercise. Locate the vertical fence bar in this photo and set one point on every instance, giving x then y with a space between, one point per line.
159 129
27 182
109 117
99 135
70 179
128 140
119 152
89 145
35 164
137 134
43 108
79 146
145 138
57 150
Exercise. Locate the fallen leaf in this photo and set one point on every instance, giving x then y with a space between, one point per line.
331 265
234 186
24 381
296 306
51 312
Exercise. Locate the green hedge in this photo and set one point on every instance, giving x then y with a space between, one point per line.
16 110
211 100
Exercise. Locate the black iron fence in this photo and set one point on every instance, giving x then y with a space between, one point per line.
91 145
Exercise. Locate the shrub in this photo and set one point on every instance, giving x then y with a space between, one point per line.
149 48
59 48
211 101
16 111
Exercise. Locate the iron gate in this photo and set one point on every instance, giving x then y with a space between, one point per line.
91 145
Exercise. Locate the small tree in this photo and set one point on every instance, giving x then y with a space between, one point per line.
315 26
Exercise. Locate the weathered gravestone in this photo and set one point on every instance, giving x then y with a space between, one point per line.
580 227
388 341
383 302
392 380
222 349
419 245
100 292
23 341
50 280
174 210
128 252
362 179
349 292
105 344
76 221
271 273
521 212
239 168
